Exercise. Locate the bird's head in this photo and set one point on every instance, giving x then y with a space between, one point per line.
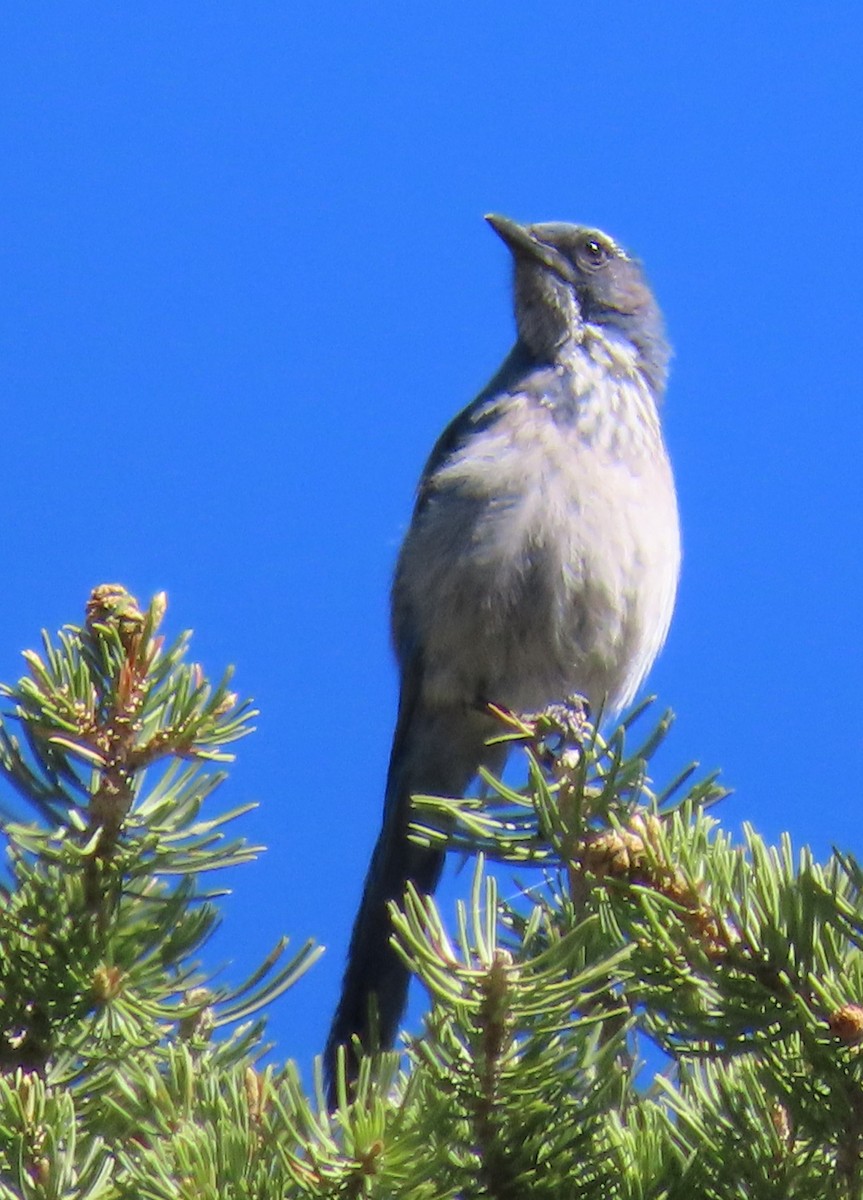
568 277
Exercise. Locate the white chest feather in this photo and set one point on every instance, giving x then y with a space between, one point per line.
545 560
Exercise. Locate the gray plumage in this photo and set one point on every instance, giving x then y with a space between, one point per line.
542 560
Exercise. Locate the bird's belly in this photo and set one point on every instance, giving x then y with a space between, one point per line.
557 575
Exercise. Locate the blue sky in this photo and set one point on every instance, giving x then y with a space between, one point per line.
246 282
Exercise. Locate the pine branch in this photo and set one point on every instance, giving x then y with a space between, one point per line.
103 916
654 1010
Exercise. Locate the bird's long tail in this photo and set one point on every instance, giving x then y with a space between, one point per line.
436 751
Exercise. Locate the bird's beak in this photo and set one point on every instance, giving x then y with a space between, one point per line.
516 236
522 243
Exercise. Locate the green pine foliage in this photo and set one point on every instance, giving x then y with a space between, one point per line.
652 1012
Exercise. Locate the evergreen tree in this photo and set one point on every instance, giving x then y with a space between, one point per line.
640 931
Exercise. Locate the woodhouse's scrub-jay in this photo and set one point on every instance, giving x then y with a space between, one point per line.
541 561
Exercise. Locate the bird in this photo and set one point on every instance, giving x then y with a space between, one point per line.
541 561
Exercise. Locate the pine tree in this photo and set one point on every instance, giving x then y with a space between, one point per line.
658 1013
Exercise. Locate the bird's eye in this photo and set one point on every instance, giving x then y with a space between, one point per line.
592 254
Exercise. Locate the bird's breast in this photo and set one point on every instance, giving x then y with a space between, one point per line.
545 558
